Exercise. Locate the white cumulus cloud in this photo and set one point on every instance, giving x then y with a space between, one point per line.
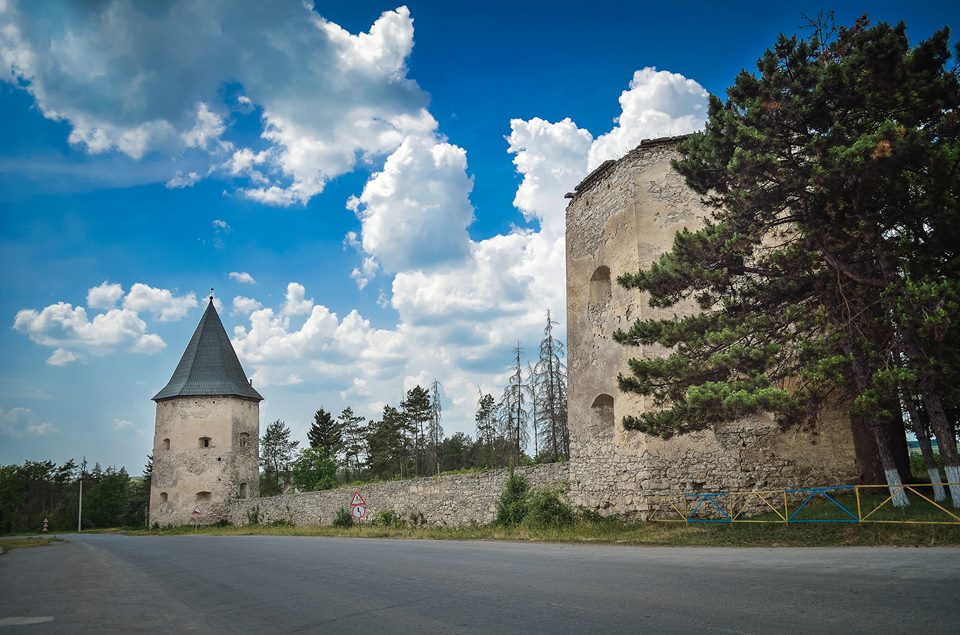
657 104
104 296
161 303
132 79
242 277
415 212
244 306
295 303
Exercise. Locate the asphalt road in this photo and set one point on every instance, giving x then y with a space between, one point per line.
274 584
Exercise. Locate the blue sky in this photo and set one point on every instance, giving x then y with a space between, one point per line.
389 178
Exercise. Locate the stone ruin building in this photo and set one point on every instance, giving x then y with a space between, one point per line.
621 218
205 440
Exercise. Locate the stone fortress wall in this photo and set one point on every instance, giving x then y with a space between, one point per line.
452 500
189 472
621 218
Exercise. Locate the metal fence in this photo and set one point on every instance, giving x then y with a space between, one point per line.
855 504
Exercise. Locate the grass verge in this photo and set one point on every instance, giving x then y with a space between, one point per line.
8 544
622 533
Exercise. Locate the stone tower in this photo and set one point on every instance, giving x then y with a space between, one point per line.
620 219
207 427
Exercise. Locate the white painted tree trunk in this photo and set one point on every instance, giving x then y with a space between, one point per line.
897 492
939 494
953 478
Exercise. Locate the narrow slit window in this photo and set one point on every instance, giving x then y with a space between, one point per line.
243 490
163 497
165 444
205 442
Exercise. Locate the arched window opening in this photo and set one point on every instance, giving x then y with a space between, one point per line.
600 285
165 444
203 496
243 490
163 497
244 440
602 409
205 442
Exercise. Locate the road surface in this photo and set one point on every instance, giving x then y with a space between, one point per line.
276 584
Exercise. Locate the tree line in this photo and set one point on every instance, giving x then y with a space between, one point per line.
408 440
38 490
828 273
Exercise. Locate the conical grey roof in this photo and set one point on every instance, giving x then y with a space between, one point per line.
209 365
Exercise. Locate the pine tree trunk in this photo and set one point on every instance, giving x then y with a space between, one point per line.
926 449
879 432
942 428
897 492
946 441
869 470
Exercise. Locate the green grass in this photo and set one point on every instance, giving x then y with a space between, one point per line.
625 533
8 544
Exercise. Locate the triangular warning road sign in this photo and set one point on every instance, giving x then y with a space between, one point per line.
357 500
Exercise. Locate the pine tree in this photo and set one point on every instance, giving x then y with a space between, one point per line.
486 419
435 429
354 436
550 386
417 412
513 409
276 452
389 445
326 433
831 251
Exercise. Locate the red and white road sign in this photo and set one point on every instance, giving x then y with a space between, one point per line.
359 511
357 500
196 510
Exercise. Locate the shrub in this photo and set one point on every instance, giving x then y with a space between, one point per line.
343 518
546 509
417 519
512 506
387 518
591 516
253 516
919 468
281 522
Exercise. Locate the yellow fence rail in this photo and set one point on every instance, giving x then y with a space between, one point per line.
927 504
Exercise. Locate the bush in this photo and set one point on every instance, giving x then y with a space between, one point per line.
387 518
919 468
417 519
546 509
512 506
253 516
343 518
591 516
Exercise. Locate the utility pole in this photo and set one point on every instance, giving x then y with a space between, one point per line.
83 468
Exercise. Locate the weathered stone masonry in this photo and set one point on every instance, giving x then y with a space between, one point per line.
621 218
452 500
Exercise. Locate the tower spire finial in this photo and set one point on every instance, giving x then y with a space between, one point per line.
211 294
